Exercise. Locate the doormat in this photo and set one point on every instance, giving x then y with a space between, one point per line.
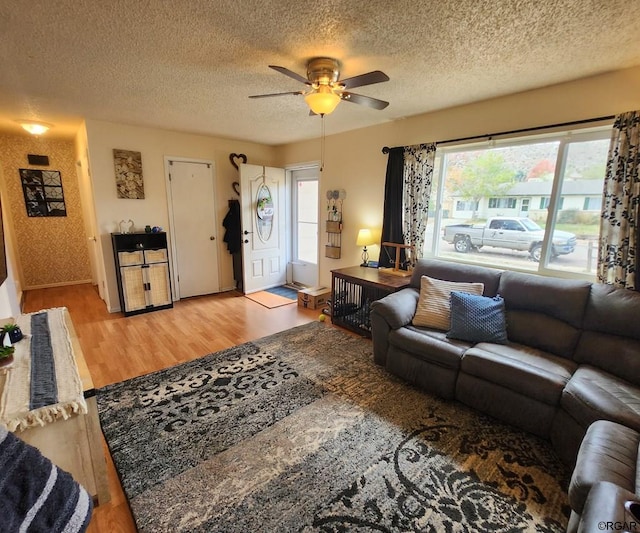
285 291
270 300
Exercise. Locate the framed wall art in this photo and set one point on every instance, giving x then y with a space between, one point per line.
128 166
43 194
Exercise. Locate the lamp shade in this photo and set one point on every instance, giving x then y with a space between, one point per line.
365 238
323 101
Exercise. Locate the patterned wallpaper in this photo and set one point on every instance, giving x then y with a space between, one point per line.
51 250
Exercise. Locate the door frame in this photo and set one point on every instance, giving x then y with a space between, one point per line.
173 258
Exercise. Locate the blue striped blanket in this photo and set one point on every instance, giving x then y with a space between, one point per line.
35 495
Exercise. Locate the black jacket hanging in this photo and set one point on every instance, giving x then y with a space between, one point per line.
233 233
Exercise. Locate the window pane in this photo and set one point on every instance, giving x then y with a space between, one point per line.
308 242
578 218
307 221
505 183
308 201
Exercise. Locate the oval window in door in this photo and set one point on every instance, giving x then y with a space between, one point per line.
264 212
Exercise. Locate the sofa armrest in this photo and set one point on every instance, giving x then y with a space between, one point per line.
398 308
609 507
391 312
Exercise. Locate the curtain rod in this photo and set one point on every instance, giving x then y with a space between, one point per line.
385 149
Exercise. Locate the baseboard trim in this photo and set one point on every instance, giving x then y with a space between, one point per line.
60 284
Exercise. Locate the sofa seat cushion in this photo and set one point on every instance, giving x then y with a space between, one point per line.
593 394
429 345
609 452
528 371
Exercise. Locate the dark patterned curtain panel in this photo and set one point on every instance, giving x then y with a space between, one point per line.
418 176
618 250
392 214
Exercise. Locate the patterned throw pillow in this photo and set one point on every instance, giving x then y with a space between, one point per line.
477 318
433 310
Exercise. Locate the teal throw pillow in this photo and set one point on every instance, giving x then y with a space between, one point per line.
477 318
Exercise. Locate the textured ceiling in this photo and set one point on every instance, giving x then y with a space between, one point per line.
190 65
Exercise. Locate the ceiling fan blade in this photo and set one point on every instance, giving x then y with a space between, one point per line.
291 74
275 94
364 100
369 78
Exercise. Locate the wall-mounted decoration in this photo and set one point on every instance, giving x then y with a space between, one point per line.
335 200
43 195
128 174
236 159
264 212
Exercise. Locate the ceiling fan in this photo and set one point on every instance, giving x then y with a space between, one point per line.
324 88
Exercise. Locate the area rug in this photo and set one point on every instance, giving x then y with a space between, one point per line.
301 431
273 298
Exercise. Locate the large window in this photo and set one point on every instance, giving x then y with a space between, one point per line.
528 204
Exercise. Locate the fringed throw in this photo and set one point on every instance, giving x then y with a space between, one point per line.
43 384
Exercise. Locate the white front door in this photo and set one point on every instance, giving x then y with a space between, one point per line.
263 212
193 227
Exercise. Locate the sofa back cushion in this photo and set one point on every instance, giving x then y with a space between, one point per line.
447 271
544 312
611 336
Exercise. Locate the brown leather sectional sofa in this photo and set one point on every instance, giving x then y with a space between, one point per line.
573 355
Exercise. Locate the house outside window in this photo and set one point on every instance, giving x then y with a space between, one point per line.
592 203
505 203
544 202
468 205
551 183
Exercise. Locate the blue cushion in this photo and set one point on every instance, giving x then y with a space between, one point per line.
477 318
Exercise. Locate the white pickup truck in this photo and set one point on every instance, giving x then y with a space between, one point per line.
515 233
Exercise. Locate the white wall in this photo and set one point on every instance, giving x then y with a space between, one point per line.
354 160
155 144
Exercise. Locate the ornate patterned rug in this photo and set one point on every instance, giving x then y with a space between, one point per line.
301 431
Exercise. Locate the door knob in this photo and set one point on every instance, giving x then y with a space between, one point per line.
212 238
247 232
246 241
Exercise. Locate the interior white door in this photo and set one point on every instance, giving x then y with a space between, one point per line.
194 228
263 212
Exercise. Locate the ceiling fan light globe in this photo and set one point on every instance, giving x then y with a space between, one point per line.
322 102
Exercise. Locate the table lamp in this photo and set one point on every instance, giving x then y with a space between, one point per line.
365 239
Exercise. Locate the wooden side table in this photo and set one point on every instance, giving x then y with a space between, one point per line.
352 291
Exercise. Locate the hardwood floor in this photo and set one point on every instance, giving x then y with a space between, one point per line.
118 348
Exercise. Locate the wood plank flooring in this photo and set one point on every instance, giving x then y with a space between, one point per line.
118 348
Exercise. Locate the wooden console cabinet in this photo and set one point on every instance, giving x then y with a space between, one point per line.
352 291
142 271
